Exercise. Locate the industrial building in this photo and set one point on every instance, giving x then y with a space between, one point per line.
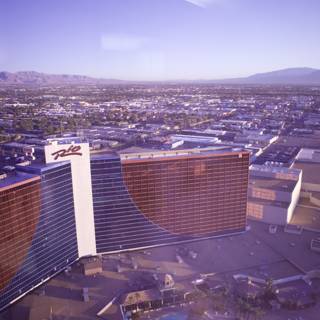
61 204
273 193
308 160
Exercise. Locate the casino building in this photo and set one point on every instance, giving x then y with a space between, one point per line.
66 204
149 199
38 234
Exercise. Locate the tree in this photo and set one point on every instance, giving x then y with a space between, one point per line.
258 313
269 292
26 124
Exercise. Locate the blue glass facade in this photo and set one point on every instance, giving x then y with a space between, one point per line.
54 242
119 225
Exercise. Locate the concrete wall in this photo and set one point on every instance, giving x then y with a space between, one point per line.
311 186
294 198
267 213
267 194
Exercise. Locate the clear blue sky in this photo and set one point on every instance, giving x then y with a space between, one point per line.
159 39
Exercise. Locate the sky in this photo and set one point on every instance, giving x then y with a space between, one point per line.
158 39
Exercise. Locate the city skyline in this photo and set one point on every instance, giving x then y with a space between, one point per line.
158 40
159 159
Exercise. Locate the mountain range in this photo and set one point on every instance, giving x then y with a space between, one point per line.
37 78
286 76
303 76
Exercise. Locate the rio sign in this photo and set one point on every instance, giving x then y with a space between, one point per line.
71 151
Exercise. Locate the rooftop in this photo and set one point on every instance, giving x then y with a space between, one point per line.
275 172
306 215
139 296
38 167
309 155
273 257
64 140
271 183
311 171
17 178
182 153
273 203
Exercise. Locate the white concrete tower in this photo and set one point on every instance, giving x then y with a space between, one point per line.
79 156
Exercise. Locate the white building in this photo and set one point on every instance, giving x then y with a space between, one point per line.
79 156
308 160
273 193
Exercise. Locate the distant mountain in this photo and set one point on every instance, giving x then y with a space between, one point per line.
306 76
298 76
286 76
37 78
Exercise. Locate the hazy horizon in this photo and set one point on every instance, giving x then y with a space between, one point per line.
158 39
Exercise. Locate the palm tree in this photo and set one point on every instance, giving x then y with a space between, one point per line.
269 292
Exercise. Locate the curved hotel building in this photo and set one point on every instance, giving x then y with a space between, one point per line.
65 205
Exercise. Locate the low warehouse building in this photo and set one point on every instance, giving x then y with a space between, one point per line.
273 193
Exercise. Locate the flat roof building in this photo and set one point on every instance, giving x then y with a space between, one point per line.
273 193
308 160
